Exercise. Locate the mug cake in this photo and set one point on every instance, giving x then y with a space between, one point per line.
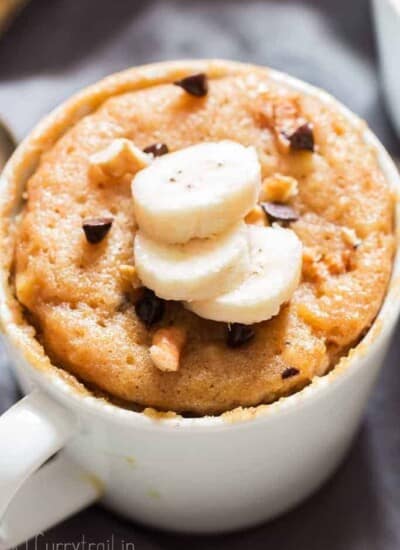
199 238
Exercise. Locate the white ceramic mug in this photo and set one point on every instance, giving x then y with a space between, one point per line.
198 475
387 26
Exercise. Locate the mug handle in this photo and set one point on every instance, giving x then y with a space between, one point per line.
30 433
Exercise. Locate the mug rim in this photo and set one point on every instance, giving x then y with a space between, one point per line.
53 383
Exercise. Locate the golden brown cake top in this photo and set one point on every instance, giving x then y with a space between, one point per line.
79 295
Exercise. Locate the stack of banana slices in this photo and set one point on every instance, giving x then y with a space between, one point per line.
193 244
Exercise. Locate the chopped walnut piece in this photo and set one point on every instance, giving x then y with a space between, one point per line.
286 113
256 216
167 346
285 120
116 160
350 237
278 188
291 129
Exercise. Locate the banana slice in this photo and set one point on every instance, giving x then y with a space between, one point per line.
275 267
196 192
197 270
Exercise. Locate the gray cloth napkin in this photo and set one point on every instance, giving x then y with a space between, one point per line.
57 46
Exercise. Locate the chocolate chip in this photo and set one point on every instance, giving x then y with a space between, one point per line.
278 212
156 149
196 84
289 372
302 138
150 308
96 229
239 334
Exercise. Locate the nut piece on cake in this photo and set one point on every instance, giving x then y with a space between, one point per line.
167 347
278 188
256 216
116 160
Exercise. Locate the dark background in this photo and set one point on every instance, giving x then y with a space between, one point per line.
57 46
